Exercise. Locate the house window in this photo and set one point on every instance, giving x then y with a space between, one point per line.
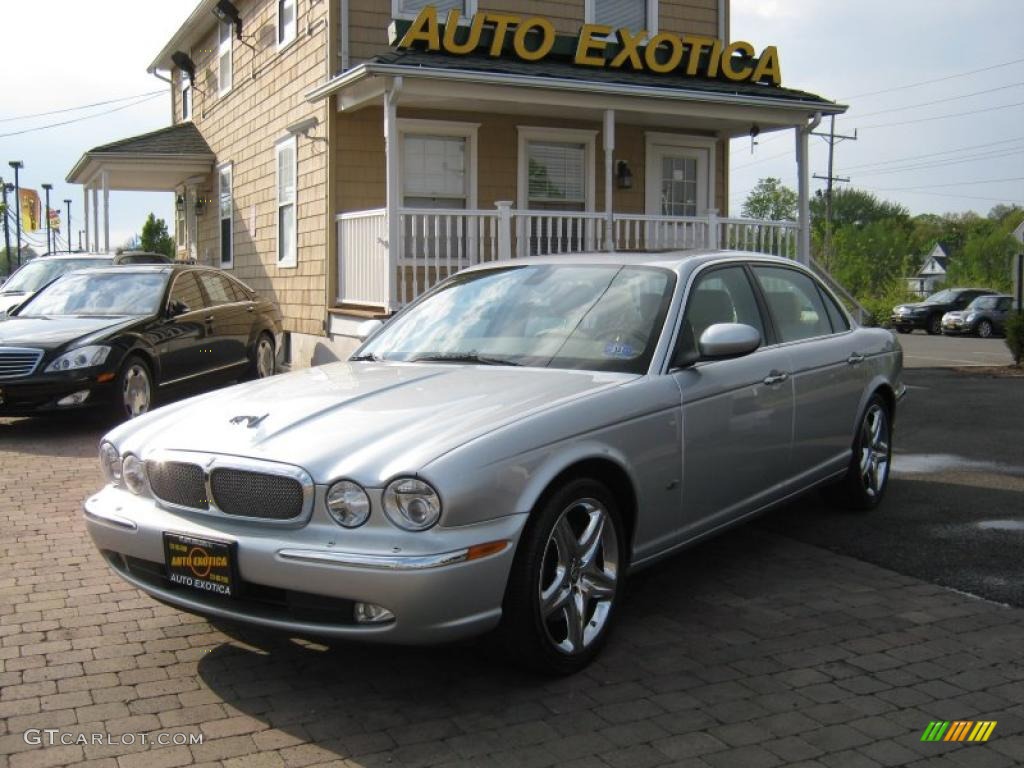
224 66
410 8
287 170
435 172
634 15
186 96
556 169
225 205
286 22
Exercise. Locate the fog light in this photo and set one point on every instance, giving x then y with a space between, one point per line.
76 399
368 613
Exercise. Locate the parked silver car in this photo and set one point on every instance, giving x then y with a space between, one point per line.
504 451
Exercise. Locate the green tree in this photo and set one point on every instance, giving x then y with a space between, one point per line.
771 199
155 237
855 207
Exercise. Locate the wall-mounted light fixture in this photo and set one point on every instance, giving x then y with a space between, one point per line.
623 175
303 127
184 62
179 204
200 205
225 11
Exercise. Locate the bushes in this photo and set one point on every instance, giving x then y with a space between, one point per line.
1015 335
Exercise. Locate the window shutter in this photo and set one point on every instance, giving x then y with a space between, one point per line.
631 14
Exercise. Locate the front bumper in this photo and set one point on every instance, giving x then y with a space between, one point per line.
306 580
42 393
909 321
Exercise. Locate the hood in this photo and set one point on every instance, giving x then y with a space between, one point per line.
364 421
53 332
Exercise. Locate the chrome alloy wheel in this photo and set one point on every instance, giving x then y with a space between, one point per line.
579 572
874 450
136 391
264 358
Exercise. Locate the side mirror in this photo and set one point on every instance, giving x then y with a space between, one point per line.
725 340
367 328
176 308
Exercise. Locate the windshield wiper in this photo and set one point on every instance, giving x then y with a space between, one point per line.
462 357
368 357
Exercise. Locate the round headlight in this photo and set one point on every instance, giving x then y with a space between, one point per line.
134 473
411 504
110 460
348 504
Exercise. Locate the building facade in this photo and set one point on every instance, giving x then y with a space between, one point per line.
342 156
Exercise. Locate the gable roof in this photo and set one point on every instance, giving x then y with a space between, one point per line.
178 139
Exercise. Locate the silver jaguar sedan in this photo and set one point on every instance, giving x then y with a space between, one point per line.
503 452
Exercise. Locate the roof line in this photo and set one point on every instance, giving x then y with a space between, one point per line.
204 8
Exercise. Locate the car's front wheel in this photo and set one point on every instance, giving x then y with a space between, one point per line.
867 477
264 357
984 329
566 579
133 395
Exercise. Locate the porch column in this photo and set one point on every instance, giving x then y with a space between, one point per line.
106 212
609 178
391 149
85 202
95 219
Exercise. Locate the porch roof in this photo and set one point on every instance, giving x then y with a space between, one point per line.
563 84
158 161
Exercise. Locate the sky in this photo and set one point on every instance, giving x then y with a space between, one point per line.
93 52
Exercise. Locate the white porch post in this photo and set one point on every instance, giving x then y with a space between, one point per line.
504 229
106 212
95 219
85 218
803 170
391 149
609 178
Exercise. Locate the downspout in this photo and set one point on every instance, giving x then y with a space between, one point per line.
803 253
344 37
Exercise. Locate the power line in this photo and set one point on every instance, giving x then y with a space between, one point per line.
941 164
77 109
921 191
942 117
941 101
79 119
891 160
956 184
936 80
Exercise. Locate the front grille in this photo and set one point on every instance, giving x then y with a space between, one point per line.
16 362
178 483
256 494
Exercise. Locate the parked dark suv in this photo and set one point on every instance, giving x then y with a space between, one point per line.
984 316
927 314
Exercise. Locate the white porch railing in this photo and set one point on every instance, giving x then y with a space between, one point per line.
435 243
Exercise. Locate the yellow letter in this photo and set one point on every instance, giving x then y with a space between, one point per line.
727 68
696 43
425 29
472 37
547 38
674 57
768 64
592 37
629 49
501 24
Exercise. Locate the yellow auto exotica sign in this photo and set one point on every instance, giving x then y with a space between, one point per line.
533 38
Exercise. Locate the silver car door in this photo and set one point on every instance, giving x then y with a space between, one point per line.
737 415
828 371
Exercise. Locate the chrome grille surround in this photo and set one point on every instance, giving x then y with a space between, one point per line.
18 362
286 482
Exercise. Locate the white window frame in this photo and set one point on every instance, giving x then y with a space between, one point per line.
185 91
705 147
284 43
225 48
652 16
292 260
528 133
450 128
230 263
470 7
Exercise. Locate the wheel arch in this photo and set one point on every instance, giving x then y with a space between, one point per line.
148 358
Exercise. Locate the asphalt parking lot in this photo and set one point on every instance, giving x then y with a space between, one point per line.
812 637
923 351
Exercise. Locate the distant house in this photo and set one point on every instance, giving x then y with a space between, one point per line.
932 273
1019 232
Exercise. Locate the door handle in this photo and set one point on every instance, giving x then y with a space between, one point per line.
209 318
855 359
775 377
251 308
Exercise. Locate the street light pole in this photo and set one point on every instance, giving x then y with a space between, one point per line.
68 225
7 229
17 165
46 213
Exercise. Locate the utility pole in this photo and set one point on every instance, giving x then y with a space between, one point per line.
46 213
7 229
832 139
68 224
17 165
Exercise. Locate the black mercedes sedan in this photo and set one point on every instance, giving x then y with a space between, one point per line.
927 314
113 337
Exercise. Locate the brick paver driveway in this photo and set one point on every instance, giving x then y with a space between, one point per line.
753 650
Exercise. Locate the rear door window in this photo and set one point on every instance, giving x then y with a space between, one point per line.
795 303
218 288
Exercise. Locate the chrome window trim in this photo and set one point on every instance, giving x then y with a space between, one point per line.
23 350
208 462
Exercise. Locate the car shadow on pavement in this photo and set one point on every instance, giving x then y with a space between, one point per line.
71 435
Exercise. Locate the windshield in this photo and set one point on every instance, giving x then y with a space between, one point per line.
984 302
942 297
38 273
99 293
602 318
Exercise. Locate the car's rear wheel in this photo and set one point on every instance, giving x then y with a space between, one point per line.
867 477
934 327
984 329
566 579
133 395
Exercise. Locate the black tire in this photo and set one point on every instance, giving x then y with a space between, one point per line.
257 369
536 641
984 329
901 329
934 326
133 390
856 489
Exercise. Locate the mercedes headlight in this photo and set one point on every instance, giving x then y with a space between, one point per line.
83 357
411 504
348 504
110 461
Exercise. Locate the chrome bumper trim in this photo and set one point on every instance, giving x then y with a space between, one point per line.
376 562
107 518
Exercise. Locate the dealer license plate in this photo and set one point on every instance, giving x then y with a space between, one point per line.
205 565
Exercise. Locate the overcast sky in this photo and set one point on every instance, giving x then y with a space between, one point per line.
86 52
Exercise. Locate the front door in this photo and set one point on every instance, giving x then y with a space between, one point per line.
678 186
